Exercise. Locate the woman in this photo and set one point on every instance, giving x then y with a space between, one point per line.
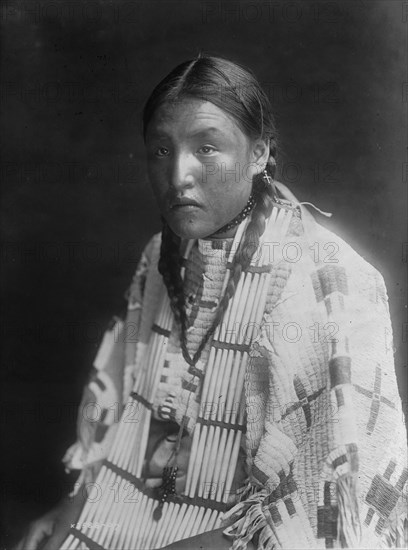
248 400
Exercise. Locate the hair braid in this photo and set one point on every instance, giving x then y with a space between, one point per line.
169 267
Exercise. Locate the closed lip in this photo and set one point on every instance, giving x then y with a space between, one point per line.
183 202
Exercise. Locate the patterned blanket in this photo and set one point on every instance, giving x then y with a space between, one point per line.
326 443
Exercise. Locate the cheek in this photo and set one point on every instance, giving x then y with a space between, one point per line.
236 172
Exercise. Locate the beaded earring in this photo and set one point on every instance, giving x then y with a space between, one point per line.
269 181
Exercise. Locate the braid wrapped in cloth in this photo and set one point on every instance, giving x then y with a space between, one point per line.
325 436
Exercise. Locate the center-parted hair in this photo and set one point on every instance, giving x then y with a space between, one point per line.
238 93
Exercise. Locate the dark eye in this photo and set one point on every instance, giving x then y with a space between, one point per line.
206 149
162 152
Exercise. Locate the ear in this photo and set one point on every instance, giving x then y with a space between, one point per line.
260 153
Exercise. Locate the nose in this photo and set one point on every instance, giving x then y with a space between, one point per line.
182 172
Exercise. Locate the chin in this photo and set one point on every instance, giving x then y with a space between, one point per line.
191 230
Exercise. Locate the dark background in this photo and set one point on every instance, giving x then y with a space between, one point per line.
76 205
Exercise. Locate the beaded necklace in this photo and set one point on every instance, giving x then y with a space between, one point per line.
240 217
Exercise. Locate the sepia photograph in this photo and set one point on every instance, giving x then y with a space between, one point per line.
204 274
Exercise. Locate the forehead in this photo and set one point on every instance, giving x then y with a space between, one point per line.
191 116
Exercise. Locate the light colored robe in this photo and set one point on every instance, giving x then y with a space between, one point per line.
326 444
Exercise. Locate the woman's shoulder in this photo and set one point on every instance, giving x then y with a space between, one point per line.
335 262
331 249
324 246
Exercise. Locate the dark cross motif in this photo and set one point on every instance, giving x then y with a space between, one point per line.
286 488
329 279
377 399
382 497
304 402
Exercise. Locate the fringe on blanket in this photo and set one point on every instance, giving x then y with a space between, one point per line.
251 523
397 535
348 523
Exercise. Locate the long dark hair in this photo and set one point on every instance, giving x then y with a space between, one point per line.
238 93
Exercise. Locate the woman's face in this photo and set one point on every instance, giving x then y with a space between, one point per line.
201 166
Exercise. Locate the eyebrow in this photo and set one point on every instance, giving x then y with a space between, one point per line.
203 132
211 130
